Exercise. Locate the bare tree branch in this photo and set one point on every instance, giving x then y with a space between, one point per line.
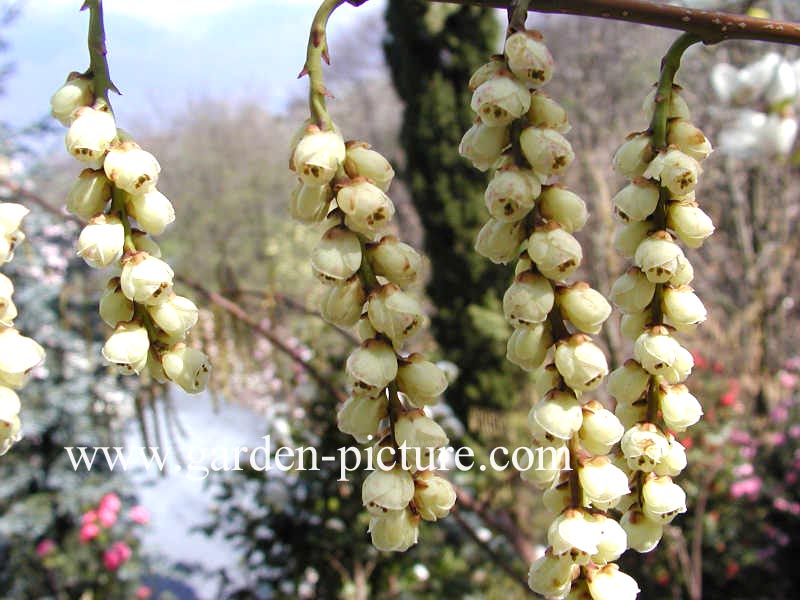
712 27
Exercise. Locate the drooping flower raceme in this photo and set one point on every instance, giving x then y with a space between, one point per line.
18 354
367 272
658 211
519 135
117 194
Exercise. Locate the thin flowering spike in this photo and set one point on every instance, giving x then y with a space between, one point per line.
532 221
116 194
368 273
656 301
18 354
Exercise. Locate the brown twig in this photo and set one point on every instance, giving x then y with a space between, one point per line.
712 27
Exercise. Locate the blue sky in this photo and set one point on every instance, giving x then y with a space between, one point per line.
164 52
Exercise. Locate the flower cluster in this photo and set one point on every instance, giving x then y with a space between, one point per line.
18 354
367 273
764 95
150 320
518 132
657 208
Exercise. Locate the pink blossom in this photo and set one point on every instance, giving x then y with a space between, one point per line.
785 505
741 438
787 380
794 432
143 593
749 487
116 555
90 516
110 502
743 470
88 532
107 517
139 514
45 547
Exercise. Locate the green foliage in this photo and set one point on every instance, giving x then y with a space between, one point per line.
432 51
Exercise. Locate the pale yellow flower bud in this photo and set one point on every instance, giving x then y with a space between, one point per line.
555 251
603 483
89 195
557 497
678 172
613 540
656 350
557 203
574 533
395 531
658 257
632 157
551 576
630 235
420 380
675 460
501 99
74 94
685 273
101 241
342 305
395 313
174 317
637 200
547 151
585 308
679 408
337 256
418 436
385 490
527 346
318 155
9 419
547 464
310 203
132 169
689 139
558 413
644 446
689 223
18 356
493 68
546 378
682 307
364 329
632 292
600 428
187 367
367 208
145 243
152 210
631 413
500 242
362 161
629 382
662 499
90 135
396 261
511 194
434 496
528 300
371 367
643 534
609 583
127 348
581 363
361 417
632 325
546 113
528 58
483 145
145 278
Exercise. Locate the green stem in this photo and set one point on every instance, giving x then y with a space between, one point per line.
517 15
118 207
669 67
98 64
316 52
575 489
